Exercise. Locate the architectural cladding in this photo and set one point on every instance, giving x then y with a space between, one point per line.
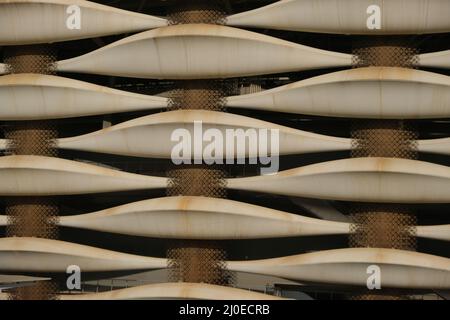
94 96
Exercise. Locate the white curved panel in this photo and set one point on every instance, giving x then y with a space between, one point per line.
33 96
21 254
399 269
197 291
441 232
36 175
349 16
3 144
386 180
439 59
2 69
45 21
131 137
193 222
374 92
201 218
201 51
439 146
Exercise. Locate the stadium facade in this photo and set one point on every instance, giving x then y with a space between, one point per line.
95 96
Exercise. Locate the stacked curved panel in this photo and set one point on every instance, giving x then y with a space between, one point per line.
344 16
201 51
49 21
117 138
34 97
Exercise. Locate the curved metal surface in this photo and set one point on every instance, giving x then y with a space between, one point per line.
201 51
441 232
373 92
201 218
197 291
21 254
399 269
48 21
41 176
349 16
439 59
131 138
34 96
387 180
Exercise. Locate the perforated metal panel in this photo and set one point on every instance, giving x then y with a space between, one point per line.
32 138
383 138
32 216
42 290
197 180
197 11
198 262
383 226
385 53
30 59
201 94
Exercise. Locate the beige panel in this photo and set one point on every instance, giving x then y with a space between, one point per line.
201 51
39 176
201 291
403 269
434 232
435 59
349 16
131 137
2 68
194 218
33 96
439 146
202 218
21 254
44 21
374 92
361 179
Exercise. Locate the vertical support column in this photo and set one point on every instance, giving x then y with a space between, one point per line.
32 216
377 225
198 261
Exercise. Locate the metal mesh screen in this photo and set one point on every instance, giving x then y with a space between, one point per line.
383 138
385 52
30 59
32 138
382 226
197 11
198 262
32 217
197 180
201 94
42 290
